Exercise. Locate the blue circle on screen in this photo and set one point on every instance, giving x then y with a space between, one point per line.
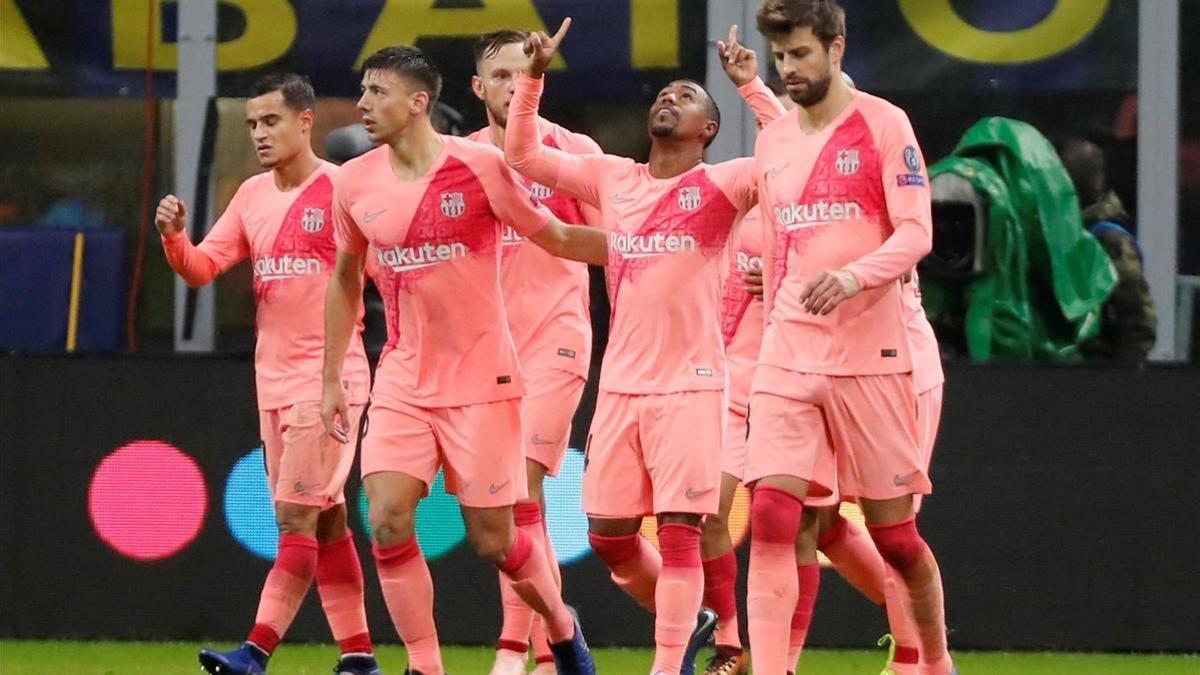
439 524
249 511
565 520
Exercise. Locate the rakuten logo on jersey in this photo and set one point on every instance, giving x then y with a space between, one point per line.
799 216
409 258
651 245
746 262
287 267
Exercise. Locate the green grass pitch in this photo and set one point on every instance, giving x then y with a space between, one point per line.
159 658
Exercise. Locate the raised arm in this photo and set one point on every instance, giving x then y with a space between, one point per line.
523 148
741 65
223 246
512 205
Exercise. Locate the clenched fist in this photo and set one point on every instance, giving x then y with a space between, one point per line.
171 216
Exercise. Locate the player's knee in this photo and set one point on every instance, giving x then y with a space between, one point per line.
713 523
806 539
775 516
900 545
331 524
714 528
491 545
296 519
391 522
830 530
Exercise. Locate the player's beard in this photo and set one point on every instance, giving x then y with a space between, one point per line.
499 114
664 129
816 92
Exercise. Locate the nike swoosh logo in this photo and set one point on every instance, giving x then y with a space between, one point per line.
368 217
493 488
775 172
622 199
899 480
694 494
538 440
301 488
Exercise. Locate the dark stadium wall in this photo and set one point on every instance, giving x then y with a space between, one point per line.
1064 516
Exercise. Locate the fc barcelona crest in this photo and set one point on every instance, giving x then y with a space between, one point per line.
453 204
689 198
847 162
313 220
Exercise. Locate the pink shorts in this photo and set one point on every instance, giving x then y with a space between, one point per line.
305 465
478 446
850 437
551 397
733 455
929 417
654 453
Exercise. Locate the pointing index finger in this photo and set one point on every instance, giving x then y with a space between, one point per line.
562 30
732 41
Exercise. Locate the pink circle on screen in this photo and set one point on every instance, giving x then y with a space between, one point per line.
147 500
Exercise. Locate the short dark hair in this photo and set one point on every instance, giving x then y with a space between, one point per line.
489 43
296 89
411 63
714 112
778 18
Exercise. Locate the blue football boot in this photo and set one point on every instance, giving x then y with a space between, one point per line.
706 623
572 657
245 660
357 664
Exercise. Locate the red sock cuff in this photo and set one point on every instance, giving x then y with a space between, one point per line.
526 514
337 544
679 545
775 516
513 646
337 563
615 550
809 578
720 575
297 555
356 644
776 493
264 637
833 534
297 540
724 565
396 555
908 655
518 555
894 526
544 658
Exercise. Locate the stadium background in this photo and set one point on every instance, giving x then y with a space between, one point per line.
133 505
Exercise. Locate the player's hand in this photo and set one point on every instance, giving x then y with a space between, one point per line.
739 62
541 49
753 278
171 215
335 412
828 290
